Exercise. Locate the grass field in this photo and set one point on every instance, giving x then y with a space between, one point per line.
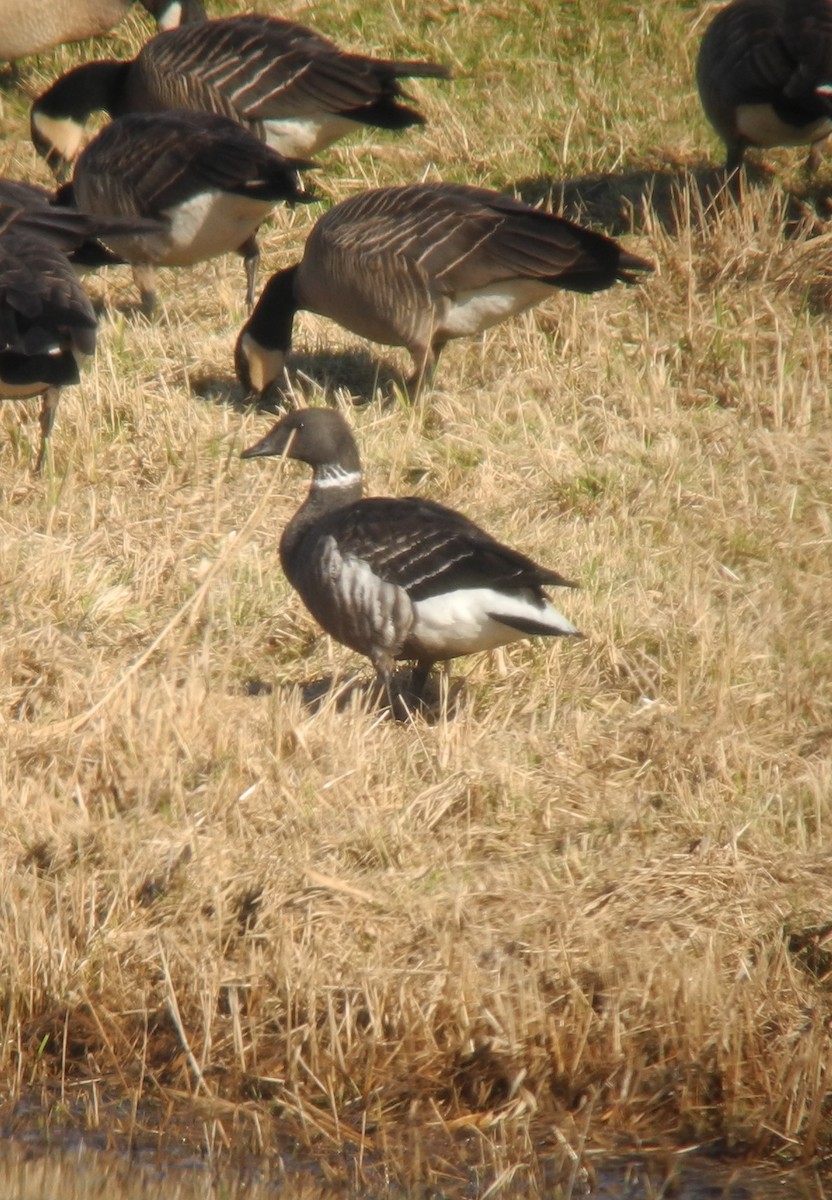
589 907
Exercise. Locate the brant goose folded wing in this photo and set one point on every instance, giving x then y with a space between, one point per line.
31 26
764 73
47 324
418 265
289 85
400 578
208 181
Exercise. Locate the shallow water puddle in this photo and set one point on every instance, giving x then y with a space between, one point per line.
30 1171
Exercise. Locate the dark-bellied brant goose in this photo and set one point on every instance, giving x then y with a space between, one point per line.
421 264
47 324
210 182
287 84
31 26
765 75
400 578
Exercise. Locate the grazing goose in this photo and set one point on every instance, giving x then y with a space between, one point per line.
765 75
47 324
290 86
210 182
418 265
27 208
400 578
30 26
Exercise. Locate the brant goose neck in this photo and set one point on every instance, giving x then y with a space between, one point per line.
400 578
60 113
421 264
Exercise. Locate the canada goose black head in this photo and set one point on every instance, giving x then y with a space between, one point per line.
170 14
59 115
319 437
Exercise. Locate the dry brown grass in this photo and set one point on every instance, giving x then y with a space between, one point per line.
589 908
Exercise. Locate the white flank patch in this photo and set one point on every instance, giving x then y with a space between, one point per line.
459 622
761 126
301 137
209 224
19 391
471 312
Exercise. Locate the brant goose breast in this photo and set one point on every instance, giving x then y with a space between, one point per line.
47 325
287 84
418 265
765 75
400 578
31 26
207 180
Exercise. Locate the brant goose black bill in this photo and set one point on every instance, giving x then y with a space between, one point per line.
400 578
209 182
287 84
418 265
47 325
31 26
765 75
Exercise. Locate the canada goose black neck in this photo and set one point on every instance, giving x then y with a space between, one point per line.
270 324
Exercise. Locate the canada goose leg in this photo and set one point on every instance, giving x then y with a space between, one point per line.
251 261
47 419
418 679
734 172
425 362
144 278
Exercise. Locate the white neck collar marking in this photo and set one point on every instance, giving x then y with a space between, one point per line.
333 476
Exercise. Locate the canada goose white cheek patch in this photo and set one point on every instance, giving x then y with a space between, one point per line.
63 134
760 125
471 312
209 224
171 18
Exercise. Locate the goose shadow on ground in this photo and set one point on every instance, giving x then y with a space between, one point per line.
359 377
345 689
629 201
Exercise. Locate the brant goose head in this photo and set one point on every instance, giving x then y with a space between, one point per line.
764 73
418 265
400 578
289 85
207 181
47 324
31 26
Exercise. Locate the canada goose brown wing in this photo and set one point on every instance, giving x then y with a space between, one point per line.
427 549
28 209
261 67
43 307
462 238
149 163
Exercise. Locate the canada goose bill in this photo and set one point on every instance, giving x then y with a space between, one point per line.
400 578
291 87
31 26
419 265
205 182
47 325
764 73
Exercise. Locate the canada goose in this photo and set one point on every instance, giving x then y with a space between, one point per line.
210 182
30 26
290 86
765 75
418 265
28 208
47 325
400 578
